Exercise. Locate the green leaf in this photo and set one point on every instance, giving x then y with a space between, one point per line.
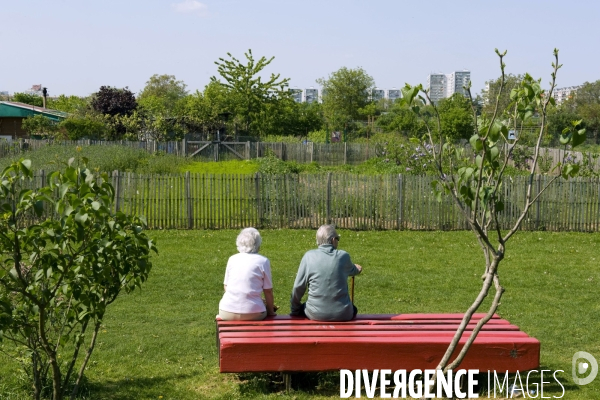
578 138
81 218
493 153
476 143
565 139
499 206
26 164
479 161
95 205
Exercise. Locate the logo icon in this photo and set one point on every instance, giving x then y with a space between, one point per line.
581 367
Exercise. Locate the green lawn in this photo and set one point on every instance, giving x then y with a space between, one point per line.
160 342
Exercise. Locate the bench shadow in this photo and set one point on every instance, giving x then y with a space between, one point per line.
315 383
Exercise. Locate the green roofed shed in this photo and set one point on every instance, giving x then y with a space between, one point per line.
12 115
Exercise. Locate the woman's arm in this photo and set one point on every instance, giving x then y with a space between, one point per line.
270 302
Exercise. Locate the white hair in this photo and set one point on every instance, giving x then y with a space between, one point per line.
325 234
248 241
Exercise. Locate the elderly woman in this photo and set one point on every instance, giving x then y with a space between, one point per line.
248 275
325 271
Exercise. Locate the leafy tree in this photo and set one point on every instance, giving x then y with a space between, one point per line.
500 86
39 125
31 99
90 126
400 119
65 257
164 87
456 117
586 103
475 185
249 94
70 104
345 92
112 101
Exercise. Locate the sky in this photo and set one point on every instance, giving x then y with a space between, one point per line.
73 47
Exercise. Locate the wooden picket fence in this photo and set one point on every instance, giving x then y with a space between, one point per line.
385 202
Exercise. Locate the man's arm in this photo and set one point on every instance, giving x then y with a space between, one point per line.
299 289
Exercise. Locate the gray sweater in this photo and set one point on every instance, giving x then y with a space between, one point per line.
324 271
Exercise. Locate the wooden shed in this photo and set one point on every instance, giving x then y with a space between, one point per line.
13 113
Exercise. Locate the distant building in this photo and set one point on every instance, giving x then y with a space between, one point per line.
296 95
562 94
442 86
3 92
35 90
311 95
394 94
437 87
377 94
457 81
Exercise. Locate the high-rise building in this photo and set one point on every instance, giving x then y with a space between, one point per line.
377 94
437 86
296 94
563 94
457 81
445 85
393 94
311 95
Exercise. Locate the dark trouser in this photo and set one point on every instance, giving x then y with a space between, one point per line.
301 313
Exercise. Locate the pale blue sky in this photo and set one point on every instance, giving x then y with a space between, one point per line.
75 46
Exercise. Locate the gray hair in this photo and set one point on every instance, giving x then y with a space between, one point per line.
248 241
325 234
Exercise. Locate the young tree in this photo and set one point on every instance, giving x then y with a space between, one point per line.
39 125
475 184
65 256
249 94
345 92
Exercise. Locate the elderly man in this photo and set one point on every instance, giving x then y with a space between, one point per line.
325 271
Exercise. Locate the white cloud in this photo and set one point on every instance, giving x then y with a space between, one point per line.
191 7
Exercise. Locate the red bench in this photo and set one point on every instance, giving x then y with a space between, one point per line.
389 341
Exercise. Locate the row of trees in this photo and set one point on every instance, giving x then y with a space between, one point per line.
240 101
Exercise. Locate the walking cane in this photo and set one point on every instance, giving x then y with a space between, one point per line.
352 291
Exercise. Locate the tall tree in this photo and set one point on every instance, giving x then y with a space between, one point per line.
345 92
456 117
165 87
114 104
249 94
112 101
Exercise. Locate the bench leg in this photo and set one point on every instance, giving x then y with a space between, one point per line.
287 380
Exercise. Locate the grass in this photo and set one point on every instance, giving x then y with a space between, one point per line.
160 341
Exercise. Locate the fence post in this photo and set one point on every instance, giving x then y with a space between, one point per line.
312 150
329 198
116 184
537 202
189 201
184 147
400 202
248 150
345 153
258 204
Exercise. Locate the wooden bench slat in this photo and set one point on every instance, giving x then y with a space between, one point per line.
424 327
306 354
337 333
